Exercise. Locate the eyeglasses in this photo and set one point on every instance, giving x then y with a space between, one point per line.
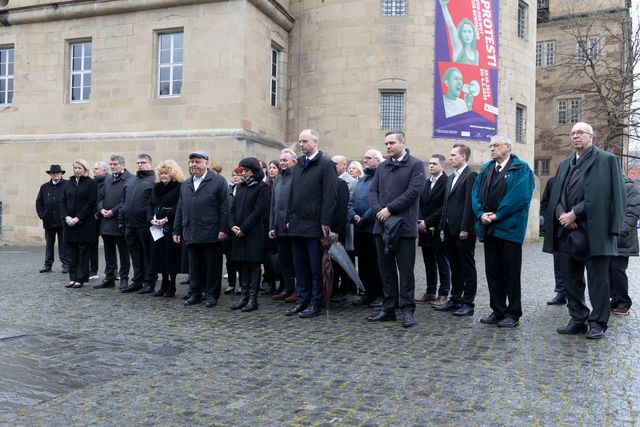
495 145
579 133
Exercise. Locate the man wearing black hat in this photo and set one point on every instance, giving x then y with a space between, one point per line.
202 221
48 209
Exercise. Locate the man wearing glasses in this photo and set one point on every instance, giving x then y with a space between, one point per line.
137 195
500 199
582 222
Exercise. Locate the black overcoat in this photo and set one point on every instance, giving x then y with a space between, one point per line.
110 198
80 201
248 209
165 254
48 203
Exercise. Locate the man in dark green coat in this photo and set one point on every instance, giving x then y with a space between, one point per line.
582 222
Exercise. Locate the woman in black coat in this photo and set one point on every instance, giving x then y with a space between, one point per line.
78 206
248 209
165 253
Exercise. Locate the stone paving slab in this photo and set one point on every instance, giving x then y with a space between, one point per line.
151 361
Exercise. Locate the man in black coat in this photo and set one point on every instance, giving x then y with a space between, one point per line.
136 207
311 213
109 206
457 231
48 209
100 171
561 297
395 198
434 252
202 221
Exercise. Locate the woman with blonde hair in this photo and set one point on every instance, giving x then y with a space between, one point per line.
165 253
78 203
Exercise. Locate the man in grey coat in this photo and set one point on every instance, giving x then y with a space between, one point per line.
583 221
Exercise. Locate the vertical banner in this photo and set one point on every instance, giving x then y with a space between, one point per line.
466 69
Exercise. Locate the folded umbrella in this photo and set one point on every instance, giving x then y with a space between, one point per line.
338 253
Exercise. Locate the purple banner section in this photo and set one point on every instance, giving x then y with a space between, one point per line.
465 95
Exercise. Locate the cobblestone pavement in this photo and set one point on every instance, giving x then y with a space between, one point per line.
103 358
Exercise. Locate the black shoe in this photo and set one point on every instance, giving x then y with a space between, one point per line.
448 306
65 269
339 297
594 333
376 303
407 320
211 301
134 287
359 300
193 299
105 284
491 319
295 310
46 269
124 283
148 288
309 312
559 299
382 316
464 310
573 328
508 322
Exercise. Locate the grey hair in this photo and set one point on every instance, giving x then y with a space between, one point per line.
502 139
117 158
102 165
377 154
292 154
587 127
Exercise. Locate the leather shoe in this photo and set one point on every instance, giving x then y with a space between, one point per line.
594 333
573 328
508 322
134 287
105 284
211 301
464 310
491 319
291 299
407 320
46 269
148 288
448 306
124 283
281 296
295 310
376 303
382 316
559 299
427 298
309 312
193 299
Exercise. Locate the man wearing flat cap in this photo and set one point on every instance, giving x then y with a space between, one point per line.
202 221
48 209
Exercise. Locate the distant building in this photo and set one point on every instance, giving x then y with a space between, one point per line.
235 78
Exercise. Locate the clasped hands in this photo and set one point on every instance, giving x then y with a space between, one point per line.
568 220
71 221
488 217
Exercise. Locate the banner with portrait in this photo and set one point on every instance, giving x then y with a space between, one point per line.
466 69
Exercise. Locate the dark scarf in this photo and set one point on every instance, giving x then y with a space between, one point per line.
250 181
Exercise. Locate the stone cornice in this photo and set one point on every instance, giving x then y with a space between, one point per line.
210 134
75 9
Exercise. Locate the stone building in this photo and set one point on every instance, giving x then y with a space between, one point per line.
87 78
572 36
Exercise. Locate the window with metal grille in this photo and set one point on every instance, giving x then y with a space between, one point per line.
273 77
521 120
568 111
394 7
391 110
543 4
170 64
6 75
523 12
80 71
542 167
587 48
545 54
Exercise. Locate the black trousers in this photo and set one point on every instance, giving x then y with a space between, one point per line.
285 260
436 265
307 263
557 273
368 268
94 254
111 243
619 282
598 284
78 253
139 245
50 239
464 278
205 268
503 265
398 263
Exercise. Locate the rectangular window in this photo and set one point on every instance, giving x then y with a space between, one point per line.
170 64
522 19
6 75
394 7
542 4
80 71
587 49
568 111
521 120
391 110
545 54
273 77
542 167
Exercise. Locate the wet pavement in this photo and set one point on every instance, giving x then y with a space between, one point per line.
80 357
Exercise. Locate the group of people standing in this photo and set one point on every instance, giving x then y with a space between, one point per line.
159 218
